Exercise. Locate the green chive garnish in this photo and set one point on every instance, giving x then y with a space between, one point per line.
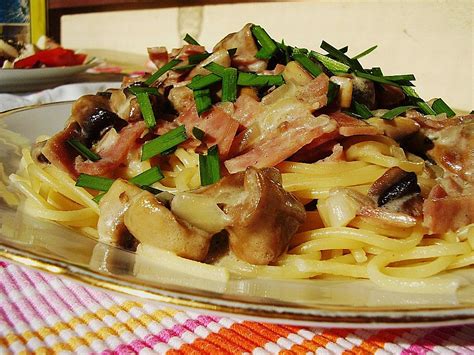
148 177
146 109
143 89
198 58
156 75
375 78
268 45
333 91
397 111
401 77
229 85
424 107
198 133
204 81
151 189
97 198
362 110
341 57
439 106
94 182
190 40
251 79
209 166
364 53
202 99
376 71
215 68
83 150
308 64
164 142
331 64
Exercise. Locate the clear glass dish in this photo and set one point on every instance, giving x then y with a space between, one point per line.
337 303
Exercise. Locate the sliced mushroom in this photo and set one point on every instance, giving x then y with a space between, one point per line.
363 91
153 224
113 205
263 215
398 191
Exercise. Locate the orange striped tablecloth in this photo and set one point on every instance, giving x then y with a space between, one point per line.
44 314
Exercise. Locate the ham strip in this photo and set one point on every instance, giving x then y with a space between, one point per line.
115 155
285 141
350 126
246 109
443 212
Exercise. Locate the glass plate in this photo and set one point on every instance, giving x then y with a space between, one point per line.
344 303
29 80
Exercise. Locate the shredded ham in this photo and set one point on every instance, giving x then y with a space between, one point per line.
315 92
445 212
114 155
282 143
158 55
246 109
350 126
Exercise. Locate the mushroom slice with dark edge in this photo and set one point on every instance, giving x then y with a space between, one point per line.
113 205
259 215
397 190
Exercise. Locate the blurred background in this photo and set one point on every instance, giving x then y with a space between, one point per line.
432 39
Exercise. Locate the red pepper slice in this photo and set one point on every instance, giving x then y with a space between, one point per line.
56 57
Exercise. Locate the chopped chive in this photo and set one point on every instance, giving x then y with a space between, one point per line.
376 71
169 151
215 68
362 110
203 101
251 79
424 107
229 85
232 52
401 77
148 177
156 75
97 198
94 182
331 64
209 166
185 67
439 106
344 49
341 57
190 40
333 91
164 142
364 53
198 58
397 111
198 133
143 89
375 78
276 80
147 110
308 64
204 82
268 45
83 150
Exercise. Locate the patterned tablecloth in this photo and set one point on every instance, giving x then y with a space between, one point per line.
44 313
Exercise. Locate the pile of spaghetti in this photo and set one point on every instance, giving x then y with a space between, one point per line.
266 160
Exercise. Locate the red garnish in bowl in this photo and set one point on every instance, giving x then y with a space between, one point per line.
56 57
